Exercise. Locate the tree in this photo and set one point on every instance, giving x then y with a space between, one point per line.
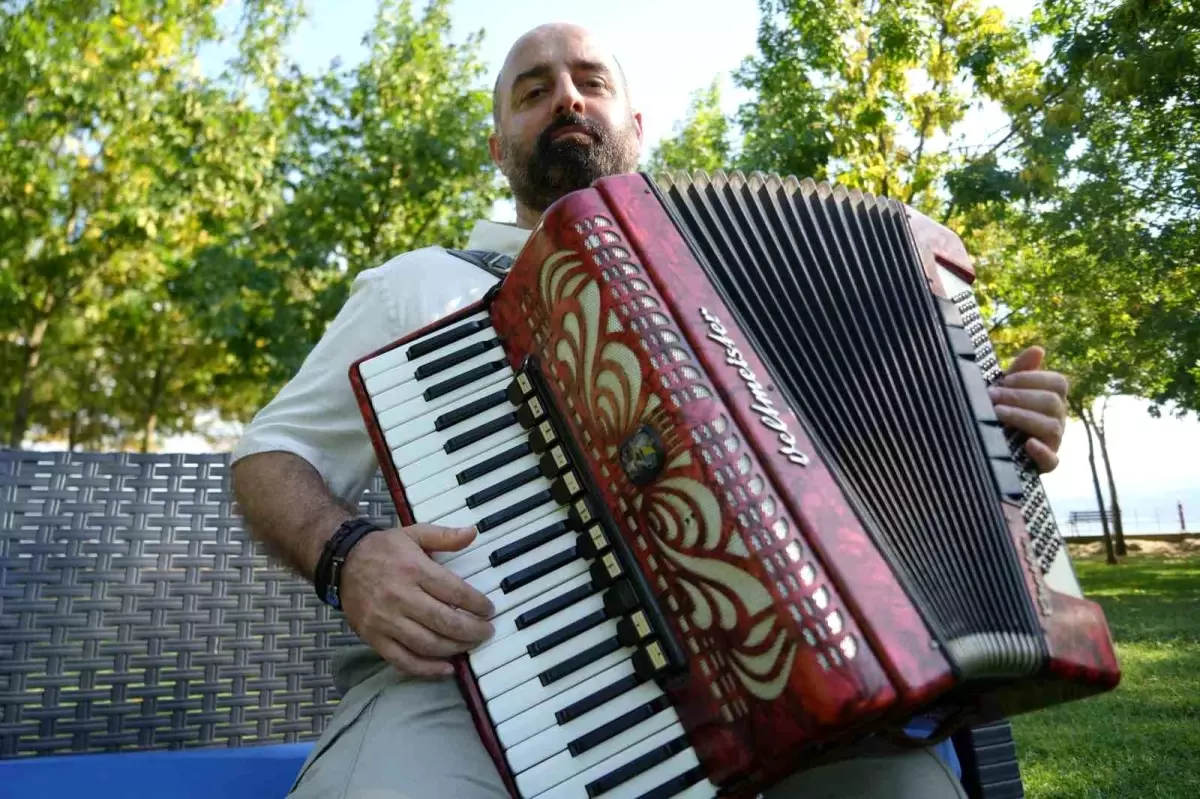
171 245
701 141
385 157
873 95
1124 124
117 162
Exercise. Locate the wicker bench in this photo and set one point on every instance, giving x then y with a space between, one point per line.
136 615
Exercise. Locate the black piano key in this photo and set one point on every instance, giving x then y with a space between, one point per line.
620 724
593 701
447 338
531 412
960 343
577 662
520 388
527 544
439 365
503 487
554 462
474 408
565 488
659 754
475 434
976 390
676 785
488 466
550 607
465 379
527 575
513 511
620 599
548 642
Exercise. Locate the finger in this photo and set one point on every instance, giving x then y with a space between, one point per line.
1034 424
422 641
1031 399
441 539
1045 458
451 622
1029 359
408 663
1046 381
441 583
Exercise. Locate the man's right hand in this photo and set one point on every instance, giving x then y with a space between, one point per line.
410 609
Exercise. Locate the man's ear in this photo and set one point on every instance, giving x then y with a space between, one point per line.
494 148
637 123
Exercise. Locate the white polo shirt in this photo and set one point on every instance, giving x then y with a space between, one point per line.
316 415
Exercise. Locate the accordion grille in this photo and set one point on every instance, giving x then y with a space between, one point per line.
829 289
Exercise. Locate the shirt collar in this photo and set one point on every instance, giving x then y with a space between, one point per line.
498 237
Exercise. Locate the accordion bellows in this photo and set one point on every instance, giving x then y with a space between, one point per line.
772 400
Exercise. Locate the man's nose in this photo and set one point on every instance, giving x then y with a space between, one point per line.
567 97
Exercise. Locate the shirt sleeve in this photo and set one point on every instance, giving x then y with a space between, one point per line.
316 415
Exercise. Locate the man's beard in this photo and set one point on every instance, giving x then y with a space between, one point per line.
551 169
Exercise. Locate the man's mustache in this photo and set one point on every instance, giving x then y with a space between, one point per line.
567 121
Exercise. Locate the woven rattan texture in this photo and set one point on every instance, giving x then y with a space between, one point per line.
135 612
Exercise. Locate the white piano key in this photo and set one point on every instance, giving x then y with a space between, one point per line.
658 774
568 775
400 395
513 647
447 479
505 624
488 580
425 424
532 693
402 371
450 499
488 536
396 355
403 436
502 601
550 742
541 716
426 457
465 517
476 560
418 406
524 668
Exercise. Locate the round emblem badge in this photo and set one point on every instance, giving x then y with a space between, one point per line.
642 455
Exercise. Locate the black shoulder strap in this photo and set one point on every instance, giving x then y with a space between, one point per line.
494 263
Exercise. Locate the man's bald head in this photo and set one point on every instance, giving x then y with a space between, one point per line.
562 115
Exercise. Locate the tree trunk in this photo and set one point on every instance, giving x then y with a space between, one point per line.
33 354
73 430
1109 553
156 392
1118 527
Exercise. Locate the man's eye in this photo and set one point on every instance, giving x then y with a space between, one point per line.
534 93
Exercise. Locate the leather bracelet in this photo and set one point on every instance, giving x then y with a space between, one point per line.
327 579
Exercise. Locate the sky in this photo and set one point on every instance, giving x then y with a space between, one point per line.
671 48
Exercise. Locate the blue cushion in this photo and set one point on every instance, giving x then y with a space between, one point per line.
250 772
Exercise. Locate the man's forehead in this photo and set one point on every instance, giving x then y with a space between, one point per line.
553 47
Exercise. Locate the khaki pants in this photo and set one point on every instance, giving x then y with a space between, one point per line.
393 738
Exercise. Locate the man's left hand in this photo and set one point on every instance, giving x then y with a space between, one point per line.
1034 401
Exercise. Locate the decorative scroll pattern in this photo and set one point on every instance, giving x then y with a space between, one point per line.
716 540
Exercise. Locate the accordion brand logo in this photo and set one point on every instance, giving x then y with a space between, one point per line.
642 455
768 414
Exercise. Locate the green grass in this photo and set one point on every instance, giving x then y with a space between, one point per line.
1143 739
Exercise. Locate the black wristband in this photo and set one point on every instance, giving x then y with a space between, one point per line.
327 580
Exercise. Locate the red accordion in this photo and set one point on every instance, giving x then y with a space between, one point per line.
743 499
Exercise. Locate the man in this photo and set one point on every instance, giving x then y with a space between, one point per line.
563 119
